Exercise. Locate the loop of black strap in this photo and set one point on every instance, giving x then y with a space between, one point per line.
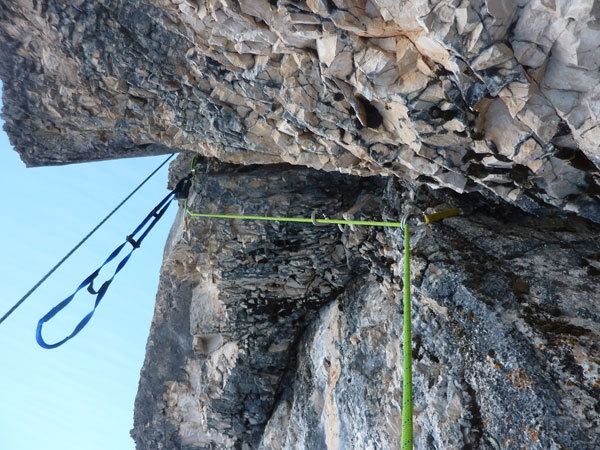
146 225
182 190
133 242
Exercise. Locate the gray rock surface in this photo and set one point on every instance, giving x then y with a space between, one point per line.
250 288
287 336
269 335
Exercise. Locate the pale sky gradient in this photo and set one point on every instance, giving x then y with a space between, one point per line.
80 395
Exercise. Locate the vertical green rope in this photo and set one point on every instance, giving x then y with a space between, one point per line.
407 406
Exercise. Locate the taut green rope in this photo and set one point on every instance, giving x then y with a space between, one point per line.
372 223
407 405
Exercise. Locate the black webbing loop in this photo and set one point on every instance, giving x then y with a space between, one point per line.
182 190
133 242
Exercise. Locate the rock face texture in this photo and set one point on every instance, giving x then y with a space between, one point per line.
288 336
269 335
480 95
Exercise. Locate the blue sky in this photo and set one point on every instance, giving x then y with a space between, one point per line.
80 395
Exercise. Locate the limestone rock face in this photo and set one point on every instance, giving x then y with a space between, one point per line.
234 300
471 95
269 335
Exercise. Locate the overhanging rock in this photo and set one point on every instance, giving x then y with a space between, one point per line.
484 96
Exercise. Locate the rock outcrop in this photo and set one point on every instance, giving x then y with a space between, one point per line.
288 336
483 95
282 336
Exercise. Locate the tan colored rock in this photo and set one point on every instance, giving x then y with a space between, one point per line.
221 76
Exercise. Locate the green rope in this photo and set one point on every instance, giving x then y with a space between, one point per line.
407 405
371 223
407 409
